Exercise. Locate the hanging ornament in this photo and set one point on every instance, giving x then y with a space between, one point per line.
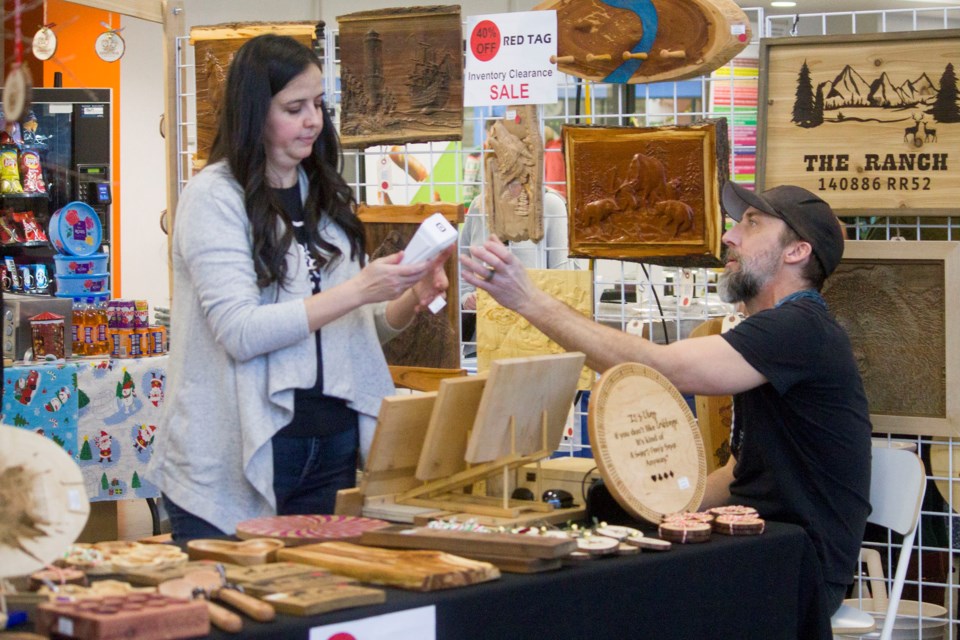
110 46
17 86
45 42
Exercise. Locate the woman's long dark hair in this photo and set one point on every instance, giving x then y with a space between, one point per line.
261 69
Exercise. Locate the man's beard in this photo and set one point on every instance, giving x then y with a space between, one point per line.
746 284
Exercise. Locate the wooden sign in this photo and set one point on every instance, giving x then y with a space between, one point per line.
524 407
869 122
646 194
401 72
416 570
214 48
646 442
646 40
898 303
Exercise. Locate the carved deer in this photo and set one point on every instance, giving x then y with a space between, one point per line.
912 131
929 135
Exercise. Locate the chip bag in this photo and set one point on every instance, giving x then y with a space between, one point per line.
31 175
9 171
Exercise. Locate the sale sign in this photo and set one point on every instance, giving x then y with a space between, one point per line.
508 59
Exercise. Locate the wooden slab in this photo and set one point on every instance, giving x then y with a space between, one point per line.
469 543
708 33
519 391
253 551
453 414
415 570
646 443
395 450
311 601
155 577
273 571
532 518
145 616
309 580
305 529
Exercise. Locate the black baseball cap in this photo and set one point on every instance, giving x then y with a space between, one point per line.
806 213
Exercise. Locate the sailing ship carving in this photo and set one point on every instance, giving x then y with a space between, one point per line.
430 80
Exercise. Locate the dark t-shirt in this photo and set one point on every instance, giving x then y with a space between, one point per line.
314 414
802 440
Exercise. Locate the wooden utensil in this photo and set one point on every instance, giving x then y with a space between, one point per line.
248 552
221 618
214 584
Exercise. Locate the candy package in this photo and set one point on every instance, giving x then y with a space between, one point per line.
31 175
32 231
9 170
9 233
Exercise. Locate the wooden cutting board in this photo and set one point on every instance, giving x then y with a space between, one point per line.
152 578
414 570
311 601
445 442
397 442
469 543
305 529
273 571
519 391
248 552
646 442
310 580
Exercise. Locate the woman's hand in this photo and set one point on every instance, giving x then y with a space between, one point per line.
386 279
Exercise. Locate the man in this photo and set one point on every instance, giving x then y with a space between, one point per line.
801 439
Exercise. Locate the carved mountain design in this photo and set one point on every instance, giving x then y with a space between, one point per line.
847 89
883 93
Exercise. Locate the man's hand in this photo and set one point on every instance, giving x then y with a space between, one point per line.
494 269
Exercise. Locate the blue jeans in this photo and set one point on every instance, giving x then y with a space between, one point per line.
307 473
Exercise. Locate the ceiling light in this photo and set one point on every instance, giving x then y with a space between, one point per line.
783 3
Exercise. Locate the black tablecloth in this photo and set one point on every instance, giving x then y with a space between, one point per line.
763 587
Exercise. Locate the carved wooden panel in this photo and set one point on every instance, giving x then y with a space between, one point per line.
432 340
214 48
513 174
646 194
898 302
642 41
501 333
402 75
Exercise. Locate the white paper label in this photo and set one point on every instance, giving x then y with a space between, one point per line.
65 626
683 482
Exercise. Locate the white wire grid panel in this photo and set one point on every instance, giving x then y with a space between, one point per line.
644 299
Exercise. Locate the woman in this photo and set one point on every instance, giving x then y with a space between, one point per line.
276 367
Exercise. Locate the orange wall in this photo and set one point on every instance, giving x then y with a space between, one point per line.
77 28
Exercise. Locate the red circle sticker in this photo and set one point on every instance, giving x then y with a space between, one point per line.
485 40
342 635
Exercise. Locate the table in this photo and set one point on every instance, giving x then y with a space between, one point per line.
762 587
104 412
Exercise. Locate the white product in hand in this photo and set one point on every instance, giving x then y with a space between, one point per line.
433 236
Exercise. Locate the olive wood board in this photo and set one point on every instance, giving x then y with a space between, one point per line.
519 391
445 442
272 571
646 443
395 451
247 552
312 579
414 570
311 601
468 543
153 578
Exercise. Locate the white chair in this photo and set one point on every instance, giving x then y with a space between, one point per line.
897 484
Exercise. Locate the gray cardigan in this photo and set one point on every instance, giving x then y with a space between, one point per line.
237 353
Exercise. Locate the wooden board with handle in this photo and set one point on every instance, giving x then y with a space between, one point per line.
311 601
470 543
518 392
395 451
414 570
445 442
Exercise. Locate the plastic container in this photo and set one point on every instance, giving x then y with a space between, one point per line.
75 229
83 285
67 265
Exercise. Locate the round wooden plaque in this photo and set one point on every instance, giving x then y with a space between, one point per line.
646 443
306 529
43 503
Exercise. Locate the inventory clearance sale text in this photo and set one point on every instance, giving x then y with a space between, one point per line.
884 164
508 61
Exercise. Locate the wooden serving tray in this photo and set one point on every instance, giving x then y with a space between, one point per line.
470 543
311 601
246 553
414 570
298 530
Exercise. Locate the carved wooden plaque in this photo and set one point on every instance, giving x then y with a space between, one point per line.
501 333
646 41
214 48
402 75
898 302
646 194
869 122
513 174
432 340
646 442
